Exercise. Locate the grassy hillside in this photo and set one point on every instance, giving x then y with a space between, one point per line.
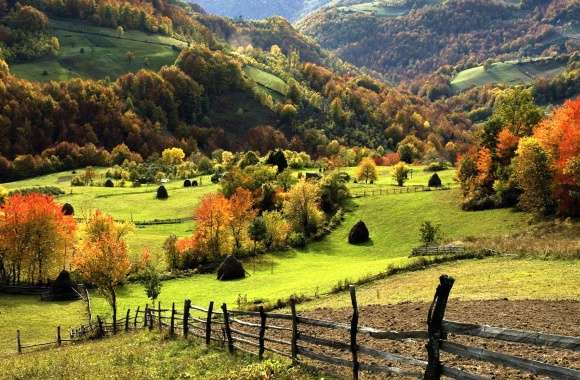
92 52
393 221
508 73
267 80
146 356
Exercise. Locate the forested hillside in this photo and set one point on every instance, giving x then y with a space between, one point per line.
412 38
259 9
260 93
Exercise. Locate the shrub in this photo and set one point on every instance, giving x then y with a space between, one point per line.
162 193
109 183
77 181
297 240
359 233
187 183
52 191
216 178
68 209
436 167
434 181
430 233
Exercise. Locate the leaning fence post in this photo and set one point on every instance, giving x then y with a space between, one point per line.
294 330
227 329
135 320
58 338
101 332
186 307
262 332
172 323
434 327
18 345
353 333
208 323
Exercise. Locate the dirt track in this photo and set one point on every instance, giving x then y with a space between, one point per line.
556 317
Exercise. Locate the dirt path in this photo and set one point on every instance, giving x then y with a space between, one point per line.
556 317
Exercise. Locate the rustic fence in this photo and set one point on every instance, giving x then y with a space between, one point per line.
358 193
437 250
290 335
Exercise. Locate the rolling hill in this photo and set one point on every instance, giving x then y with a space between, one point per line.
260 9
407 39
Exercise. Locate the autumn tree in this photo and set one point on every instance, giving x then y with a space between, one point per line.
172 156
103 259
213 217
516 110
533 174
507 143
302 207
367 170
35 237
276 229
401 173
242 214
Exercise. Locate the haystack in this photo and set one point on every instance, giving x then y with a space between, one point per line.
231 269
359 233
62 289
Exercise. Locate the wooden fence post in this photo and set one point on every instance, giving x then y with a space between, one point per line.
186 308
434 329
208 324
18 345
172 323
227 329
262 332
58 338
353 333
101 331
135 320
160 323
146 315
294 330
127 316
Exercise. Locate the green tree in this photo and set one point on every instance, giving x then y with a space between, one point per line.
533 173
430 233
401 173
516 110
257 231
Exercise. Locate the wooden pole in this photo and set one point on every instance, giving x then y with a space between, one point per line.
135 320
58 338
353 333
208 324
159 315
228 331
435 329
172 324
145 315
18 345
101 332
127 320
294 330
262 333
150 318
186 308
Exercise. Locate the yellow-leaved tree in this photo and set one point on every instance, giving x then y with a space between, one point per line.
302 207
172 156
367 170
103 259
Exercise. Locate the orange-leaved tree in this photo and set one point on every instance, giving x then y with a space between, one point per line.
559 135
35 237
242 214
103 259
213 218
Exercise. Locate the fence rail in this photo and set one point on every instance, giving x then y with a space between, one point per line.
358 193
285 335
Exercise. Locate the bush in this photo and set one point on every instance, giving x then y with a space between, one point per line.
187 183
52 191
296 240
68 209
194 183
430 233
359 233
162 193
216 178
434 181
77 181
436 167
109 183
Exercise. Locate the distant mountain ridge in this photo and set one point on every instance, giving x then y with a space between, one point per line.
261 9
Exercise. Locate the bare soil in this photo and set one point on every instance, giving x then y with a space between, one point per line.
555 317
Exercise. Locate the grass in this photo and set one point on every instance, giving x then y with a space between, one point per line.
144 356
393 222
104 56
509 73
490 278
418 177
36 320
270 81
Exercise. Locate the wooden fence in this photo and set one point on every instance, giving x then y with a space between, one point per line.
436 250
358 193
289 335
